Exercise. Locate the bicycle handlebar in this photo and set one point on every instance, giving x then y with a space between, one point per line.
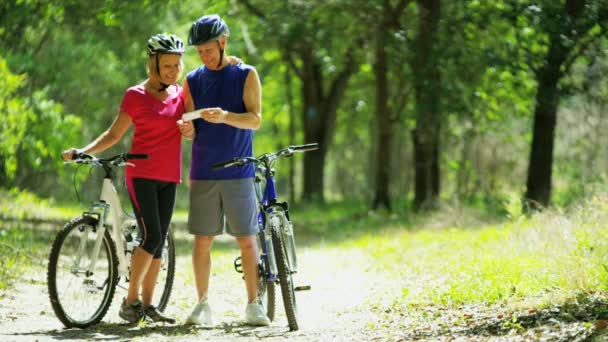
304 148
119 159
266 158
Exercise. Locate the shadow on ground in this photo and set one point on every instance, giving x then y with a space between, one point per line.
584 318
110 331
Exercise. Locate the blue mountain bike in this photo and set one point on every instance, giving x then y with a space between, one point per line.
276 240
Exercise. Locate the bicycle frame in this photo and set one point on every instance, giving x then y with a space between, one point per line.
109 216
265 196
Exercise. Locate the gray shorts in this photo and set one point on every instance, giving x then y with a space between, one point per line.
218 203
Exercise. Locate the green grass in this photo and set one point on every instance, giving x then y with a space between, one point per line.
21 250
537 260
20 204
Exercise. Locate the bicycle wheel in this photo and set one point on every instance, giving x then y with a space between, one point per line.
266 292
166 274
285 276
81 293
164 282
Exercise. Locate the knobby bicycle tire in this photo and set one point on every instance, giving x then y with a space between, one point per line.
65 311
168 281
166 274
285 276
266 290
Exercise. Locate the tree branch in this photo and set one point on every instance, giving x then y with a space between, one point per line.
254 10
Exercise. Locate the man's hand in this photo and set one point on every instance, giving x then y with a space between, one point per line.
214 115
186 128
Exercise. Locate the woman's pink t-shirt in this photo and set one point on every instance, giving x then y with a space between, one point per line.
156 134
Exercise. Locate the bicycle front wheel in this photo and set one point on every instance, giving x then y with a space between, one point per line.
285 274
80 289
266 292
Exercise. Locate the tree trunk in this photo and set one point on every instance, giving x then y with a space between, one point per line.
426 85
319 111
538 193
383 122
292 135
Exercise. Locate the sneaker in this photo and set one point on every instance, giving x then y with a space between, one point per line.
256 315
201 315
133 312
157 316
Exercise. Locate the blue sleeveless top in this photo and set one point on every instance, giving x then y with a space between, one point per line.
214 143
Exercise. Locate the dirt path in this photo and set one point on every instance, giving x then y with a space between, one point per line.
335 309
348 302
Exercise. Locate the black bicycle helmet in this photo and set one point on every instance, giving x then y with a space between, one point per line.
165 43
207 28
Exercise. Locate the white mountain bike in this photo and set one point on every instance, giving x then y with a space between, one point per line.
90 256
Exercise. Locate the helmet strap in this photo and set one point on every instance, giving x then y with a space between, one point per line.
157 68
163 86
219 64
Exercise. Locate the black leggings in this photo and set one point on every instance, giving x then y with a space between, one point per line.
153 203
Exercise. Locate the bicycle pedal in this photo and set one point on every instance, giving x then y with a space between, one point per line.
302 288
238 265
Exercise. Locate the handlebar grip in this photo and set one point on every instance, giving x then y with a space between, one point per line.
137 156
224 164
81 155
304 148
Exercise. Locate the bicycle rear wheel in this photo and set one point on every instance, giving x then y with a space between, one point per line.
164 282
285 275
81 293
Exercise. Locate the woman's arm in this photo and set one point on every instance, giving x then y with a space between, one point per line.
106 139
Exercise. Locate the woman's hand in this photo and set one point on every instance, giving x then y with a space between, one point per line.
233 60
69 153
186 128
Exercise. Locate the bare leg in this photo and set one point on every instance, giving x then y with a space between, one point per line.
201 261
249 256
149 284
140 263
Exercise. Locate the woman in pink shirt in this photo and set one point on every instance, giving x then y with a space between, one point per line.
153 107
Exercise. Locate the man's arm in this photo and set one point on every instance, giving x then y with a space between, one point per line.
188 103
187 128
252 98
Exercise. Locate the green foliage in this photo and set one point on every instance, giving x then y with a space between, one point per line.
79 57
13 121
26 147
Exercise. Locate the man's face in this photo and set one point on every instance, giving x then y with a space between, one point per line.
210 52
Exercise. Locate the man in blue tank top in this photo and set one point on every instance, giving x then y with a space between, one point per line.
229 97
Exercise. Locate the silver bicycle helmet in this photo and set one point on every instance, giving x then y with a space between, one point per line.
165 43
